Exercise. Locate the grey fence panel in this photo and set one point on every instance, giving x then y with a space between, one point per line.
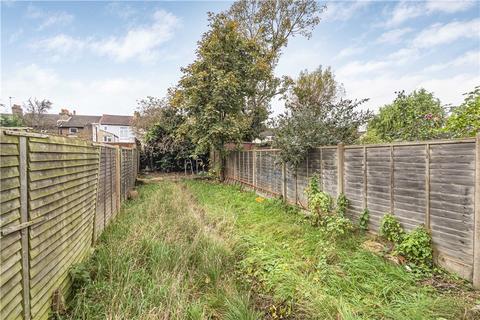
434 183
452 187
409 190
354 182
378 185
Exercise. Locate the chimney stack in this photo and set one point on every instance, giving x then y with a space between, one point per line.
17 110
74 112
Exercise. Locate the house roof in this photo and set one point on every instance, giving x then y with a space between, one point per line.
47 119
116 120
78 121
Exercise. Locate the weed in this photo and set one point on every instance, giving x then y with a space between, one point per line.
416 247
296 272
342 204
391 229
364 218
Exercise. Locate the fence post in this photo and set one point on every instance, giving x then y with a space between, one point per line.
254 173
118 176
476 229
340 167
24 232
365 182
427 186
392 179
284 181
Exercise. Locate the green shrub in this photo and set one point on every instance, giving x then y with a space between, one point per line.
416 247
336 225
342 204
319 202
364 218
320 205
391 229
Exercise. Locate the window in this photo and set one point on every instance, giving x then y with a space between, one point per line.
72 130
123 132
107 139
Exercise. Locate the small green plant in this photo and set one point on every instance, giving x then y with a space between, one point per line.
80 276
416 247
342 204
391 229
364 218
319 202
336 226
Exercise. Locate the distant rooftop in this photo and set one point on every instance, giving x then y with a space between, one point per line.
116 120
78 121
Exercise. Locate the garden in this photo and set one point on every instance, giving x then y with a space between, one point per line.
198 249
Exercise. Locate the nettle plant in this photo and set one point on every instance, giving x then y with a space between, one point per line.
416 247
391 229
364 218
325 214
319 203
342 204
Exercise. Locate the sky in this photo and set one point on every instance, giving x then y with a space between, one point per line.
102 57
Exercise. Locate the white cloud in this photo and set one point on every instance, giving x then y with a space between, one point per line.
138 43
449 6
343 11
61 44
405 10
438 34
49 18
393 36
122 10
470 59
115 95
355 68
381 88
350 51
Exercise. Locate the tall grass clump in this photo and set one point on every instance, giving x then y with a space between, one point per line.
161 259
297 272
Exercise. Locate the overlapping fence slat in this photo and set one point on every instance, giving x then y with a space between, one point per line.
434 183
57 195
11 284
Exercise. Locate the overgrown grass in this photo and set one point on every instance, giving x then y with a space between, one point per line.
200 250
309 277
162 259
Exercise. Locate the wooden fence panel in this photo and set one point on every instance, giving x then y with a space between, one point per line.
435 183
452 187
11 306
378 185
354 182
409 190
66 202
329 171
57 195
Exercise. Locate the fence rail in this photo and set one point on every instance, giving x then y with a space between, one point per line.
57 195
435 183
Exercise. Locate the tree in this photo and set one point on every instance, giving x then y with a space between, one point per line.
213 89
416 116
158 121
317 114
270 23
35 115
465 118
10 120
